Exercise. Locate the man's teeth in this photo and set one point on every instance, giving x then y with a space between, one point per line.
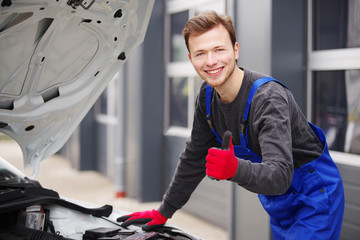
214 71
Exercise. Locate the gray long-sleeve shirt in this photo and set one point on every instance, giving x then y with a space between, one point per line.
277 131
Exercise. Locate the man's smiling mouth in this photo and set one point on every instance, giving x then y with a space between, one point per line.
214 71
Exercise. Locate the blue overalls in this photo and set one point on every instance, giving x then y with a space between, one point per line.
313 206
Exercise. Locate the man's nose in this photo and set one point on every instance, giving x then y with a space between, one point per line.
211 59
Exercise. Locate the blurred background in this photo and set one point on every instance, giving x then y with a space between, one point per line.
131 139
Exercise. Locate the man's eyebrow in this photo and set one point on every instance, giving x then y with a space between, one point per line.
220 46
215 47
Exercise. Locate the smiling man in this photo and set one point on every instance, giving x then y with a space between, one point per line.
271 149
214 56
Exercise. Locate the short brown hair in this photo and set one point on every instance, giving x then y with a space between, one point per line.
204 22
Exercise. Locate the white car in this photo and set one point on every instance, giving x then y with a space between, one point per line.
29 211
56 58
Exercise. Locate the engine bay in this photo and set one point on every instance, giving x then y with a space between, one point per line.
30 212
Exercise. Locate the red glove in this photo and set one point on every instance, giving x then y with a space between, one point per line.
153 219
221 163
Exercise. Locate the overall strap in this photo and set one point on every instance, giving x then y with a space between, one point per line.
244 125
253 90
208 95
243 150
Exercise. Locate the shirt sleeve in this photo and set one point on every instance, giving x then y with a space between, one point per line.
191 165
269 135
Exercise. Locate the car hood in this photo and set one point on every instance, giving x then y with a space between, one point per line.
56 59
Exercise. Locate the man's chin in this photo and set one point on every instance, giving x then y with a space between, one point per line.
215 84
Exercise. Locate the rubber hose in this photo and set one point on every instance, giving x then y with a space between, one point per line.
32 234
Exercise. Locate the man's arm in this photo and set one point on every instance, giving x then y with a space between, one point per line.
191 166
270 136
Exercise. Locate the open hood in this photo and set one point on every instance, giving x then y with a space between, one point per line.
56 58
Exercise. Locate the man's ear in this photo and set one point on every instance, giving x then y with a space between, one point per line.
236 50
189 56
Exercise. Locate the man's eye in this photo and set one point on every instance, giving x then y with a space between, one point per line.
199 54
219 50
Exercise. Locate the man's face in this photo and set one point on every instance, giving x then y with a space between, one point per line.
213 55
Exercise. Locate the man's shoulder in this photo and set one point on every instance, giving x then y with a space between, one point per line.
251 75
202 90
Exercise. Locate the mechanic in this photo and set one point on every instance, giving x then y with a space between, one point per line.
274 151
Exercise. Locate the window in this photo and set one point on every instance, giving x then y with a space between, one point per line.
182 83
178 48
330 24
334 72
178 102
182 98
336 108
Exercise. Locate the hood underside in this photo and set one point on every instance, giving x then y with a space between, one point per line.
56 58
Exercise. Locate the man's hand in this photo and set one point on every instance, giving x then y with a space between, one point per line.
153 219
222 163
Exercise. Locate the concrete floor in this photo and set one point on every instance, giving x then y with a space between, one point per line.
57 174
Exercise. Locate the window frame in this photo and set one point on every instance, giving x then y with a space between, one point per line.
327 60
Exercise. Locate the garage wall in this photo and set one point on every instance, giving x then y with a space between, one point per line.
351 223
144 113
